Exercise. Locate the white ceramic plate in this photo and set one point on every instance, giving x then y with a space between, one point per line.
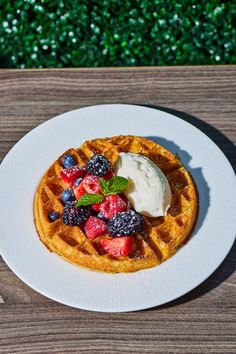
61 281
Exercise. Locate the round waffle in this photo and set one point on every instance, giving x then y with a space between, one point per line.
161 237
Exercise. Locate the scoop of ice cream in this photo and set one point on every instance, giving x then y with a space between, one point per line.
148 190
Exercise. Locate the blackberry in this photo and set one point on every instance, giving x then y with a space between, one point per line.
68 161
67 195
125 223
98 165
73 216
53 216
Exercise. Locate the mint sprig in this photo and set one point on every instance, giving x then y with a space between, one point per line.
114 185
103 186
88 199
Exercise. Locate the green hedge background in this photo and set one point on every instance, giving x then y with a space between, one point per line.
65 33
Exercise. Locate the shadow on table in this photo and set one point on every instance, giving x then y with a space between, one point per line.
224 143
229 149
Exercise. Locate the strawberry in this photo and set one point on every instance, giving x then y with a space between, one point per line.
94 227
96 207
119 246
112 205
69 175
108 175
79 191
91 184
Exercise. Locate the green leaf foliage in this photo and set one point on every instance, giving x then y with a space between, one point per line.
88 199
117 184
103 186
60 33
114 185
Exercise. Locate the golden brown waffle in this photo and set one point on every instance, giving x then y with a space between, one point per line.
162 235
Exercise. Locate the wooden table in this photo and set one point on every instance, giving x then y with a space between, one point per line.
202 321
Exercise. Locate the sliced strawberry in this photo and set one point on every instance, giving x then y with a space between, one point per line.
108 175
119 246
69 175
94 227
79 191
91 184
112 205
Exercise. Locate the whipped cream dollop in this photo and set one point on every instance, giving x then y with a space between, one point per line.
148 190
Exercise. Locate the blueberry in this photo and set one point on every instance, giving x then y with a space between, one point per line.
98 165
68 161
53 216
77 181
67 195
100 216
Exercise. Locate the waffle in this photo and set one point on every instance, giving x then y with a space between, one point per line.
161 236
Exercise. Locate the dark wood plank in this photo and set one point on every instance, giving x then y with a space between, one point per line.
202 321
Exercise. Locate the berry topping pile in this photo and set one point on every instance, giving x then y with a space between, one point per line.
93 197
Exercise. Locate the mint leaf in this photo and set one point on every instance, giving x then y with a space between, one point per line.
110 182
88 199
117 184
103 186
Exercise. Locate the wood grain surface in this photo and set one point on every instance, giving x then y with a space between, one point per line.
202 321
